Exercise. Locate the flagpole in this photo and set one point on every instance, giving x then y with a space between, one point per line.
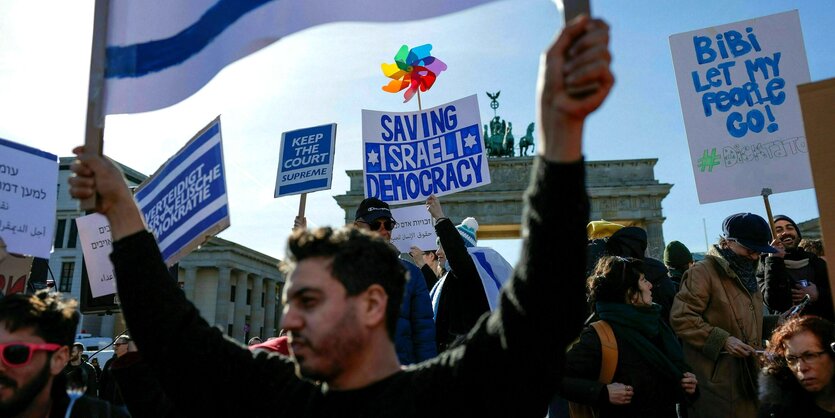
94 128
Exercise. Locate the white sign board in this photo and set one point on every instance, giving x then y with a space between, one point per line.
305 163
28 198
410 156
737 85
414 227
96 245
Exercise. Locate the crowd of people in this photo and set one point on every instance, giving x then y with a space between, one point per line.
588 318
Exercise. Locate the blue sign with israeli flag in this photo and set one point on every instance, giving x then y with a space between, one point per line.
305 163
410 156
185 202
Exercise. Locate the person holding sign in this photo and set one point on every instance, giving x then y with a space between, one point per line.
344 288
415 337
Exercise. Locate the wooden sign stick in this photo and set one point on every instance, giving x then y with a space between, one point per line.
94 130
766 192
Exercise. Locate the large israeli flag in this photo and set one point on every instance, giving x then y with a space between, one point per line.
493 270
159 52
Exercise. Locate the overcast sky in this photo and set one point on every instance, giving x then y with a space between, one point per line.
330 73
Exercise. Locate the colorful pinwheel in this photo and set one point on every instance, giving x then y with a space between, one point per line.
412 70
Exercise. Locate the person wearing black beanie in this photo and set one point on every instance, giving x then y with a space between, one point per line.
786 277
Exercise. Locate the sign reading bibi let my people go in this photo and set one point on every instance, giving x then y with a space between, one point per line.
737 85
410 156
305 163
185 201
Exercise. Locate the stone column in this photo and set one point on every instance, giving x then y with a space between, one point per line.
655 238
189 282
240 307
223 292
270 327
258 328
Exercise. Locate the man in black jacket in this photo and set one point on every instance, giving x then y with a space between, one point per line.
340 321
786 277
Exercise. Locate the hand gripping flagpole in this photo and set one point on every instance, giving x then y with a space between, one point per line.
94 128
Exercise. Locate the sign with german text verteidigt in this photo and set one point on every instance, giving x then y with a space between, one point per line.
28 199
410 156
305 163
738 89
96 245
185 201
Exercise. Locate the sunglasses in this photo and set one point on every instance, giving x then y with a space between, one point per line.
375 225
20 354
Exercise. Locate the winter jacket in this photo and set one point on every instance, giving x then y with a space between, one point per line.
776 284
781 396
463 300
523 342
84 407
414 339
711 306
655 395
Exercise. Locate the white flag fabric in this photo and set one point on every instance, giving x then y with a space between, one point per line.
159 52
493 270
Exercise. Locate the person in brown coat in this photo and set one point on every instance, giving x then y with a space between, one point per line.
718 314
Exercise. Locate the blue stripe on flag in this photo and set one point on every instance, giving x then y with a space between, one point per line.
196 230
137 60
179 158
486 265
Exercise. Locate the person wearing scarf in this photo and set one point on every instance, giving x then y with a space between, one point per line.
651 376
718 315
787 276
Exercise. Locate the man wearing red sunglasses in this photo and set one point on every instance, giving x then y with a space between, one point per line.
35 338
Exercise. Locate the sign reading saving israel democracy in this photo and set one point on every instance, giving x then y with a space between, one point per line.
305 163
737 85
185 201
410 156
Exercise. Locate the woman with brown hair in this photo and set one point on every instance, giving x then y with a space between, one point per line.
796 379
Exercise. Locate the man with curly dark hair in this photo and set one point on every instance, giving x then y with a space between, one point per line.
36 332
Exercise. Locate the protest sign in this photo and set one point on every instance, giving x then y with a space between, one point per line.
96 245
28 198
14 272
305 163
737 85
410 156
185 201
414 227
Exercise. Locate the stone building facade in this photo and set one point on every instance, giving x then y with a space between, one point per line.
622 191
234 287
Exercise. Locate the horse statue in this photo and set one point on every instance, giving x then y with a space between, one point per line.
526 141
508 140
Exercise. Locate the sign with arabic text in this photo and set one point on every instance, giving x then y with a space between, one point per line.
96 245
28 198
414 227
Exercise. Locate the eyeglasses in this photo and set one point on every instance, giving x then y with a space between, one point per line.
389 224
20 354
808 358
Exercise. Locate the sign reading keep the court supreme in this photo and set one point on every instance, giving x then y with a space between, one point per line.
305 163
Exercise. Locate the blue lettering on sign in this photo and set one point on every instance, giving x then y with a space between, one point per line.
410 127
748 103
397 171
